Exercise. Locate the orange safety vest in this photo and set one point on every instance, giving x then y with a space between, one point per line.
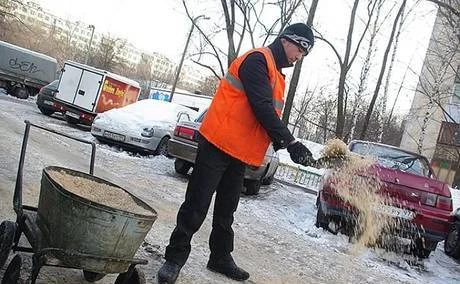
230 123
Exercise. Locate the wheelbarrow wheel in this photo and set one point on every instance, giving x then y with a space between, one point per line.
137 277
7 231
92 276
13 271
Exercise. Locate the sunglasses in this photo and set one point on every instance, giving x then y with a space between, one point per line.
301 50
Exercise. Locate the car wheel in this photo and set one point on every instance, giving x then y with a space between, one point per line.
162 148
322 220
45 111
21 93
182 167
422 250
452 242
268 180
252 186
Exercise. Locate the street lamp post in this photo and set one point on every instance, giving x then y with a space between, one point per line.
92 27
176 79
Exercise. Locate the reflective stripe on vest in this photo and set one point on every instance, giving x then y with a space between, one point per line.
235 82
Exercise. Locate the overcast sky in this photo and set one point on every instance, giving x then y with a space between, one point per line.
161 26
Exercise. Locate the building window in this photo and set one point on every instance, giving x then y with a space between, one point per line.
449 134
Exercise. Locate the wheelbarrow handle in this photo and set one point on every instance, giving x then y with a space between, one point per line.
17 198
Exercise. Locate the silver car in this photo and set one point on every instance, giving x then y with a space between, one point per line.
183 146
144 126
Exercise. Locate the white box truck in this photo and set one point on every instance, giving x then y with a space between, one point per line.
84 91
23 72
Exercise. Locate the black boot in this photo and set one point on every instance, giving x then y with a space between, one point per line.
227 266
168 273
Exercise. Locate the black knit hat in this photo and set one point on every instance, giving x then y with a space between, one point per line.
301 35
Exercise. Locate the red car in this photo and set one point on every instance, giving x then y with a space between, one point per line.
420 203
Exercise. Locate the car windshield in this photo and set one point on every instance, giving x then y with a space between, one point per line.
394 158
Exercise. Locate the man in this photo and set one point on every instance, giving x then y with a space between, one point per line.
243 118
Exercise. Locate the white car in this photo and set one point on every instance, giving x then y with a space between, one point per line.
145 126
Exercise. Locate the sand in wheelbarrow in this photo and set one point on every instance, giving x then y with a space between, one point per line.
98 192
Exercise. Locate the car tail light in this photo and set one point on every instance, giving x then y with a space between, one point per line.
184 132
87 117
429 199
444 203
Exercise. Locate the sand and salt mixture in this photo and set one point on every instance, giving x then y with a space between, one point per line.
98 192
357 185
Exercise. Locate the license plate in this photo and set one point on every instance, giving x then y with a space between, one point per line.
50 103
395 212
114 136
71 114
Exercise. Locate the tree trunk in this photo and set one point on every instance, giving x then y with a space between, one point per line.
387 80
343 75
382 71
296 74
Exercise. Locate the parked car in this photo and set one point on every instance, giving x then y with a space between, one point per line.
419 202
144 126
45 98
183 146
452 241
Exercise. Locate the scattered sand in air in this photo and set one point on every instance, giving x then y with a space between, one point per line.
359 187
98 192
335 148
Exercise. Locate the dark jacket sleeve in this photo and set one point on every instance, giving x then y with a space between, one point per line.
253 74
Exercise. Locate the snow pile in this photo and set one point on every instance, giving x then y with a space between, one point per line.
132 119
315 149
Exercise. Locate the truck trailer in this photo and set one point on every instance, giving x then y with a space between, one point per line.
23 72
84 91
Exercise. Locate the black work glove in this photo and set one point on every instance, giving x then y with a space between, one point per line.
300 154
277 146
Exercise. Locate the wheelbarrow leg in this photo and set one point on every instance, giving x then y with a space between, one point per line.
129 273
37 263
18 233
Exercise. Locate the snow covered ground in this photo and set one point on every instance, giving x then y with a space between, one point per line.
275 236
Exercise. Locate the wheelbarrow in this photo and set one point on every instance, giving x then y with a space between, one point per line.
67 230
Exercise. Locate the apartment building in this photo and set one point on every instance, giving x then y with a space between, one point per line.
432 127
79 35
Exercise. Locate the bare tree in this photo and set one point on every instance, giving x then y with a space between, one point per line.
326 117
296 74
107 55
348 59
301 110
364 75
384 99
242 18
209 86
382 71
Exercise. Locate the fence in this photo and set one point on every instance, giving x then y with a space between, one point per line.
300 176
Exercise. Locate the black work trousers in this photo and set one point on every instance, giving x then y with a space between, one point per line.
214 171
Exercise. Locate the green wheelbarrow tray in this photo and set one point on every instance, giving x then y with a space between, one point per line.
79 233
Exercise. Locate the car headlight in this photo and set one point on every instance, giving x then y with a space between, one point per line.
147 132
